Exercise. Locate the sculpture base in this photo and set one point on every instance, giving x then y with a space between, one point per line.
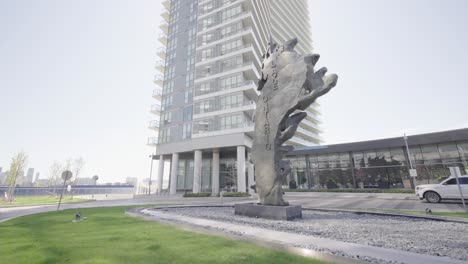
269 211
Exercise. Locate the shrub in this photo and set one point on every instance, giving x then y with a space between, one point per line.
355 190
197 194
235 194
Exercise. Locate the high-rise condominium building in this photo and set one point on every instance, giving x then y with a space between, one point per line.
210 63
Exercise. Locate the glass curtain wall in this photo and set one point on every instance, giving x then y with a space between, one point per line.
379 168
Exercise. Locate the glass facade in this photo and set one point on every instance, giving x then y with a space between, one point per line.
376 168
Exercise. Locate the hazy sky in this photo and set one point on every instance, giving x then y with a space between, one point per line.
76 76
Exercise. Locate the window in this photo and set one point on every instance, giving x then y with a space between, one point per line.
230 30
231 46
168 87
451 182
167 102
231 101
189 80
188 96
232 121
165 135
463 181
187 131
230 82
231 12
187 115
231 63
190 63
167 118
206 54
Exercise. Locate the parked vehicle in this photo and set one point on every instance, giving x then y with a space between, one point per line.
445 190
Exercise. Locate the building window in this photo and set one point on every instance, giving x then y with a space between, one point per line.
167 102
187 131
188 96
229 13
187 113
230 82
166 118
231 46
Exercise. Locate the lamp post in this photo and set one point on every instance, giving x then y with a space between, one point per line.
151 174
413 173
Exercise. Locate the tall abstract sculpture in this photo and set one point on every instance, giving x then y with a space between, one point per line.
289 84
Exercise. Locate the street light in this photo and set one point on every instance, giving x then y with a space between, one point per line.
413 172
151 174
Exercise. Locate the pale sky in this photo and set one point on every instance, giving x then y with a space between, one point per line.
76 76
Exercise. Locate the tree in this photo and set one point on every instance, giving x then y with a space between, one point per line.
18 163
95 179
78 165
55 172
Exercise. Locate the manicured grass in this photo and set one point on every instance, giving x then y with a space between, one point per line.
110 236
33 200
436 213
353 190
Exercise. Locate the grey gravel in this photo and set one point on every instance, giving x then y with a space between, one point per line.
415 235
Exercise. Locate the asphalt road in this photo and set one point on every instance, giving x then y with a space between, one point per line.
307 200
369 201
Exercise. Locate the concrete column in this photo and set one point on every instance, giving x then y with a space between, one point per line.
160 174
241 186
197 171
174 168
250 173
215 173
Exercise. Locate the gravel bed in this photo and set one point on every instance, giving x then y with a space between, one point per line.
415 235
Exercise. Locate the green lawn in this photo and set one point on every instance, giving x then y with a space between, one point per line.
33 200
110 236
436 213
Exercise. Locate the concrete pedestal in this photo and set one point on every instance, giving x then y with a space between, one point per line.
269 212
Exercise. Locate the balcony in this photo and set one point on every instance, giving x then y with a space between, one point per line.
152 141
166 4
214 130
156 109
157 94
162 38
166 15
247 107
154 125
160 66
159 79
161 52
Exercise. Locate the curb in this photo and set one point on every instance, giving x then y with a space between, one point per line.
422 217
26 205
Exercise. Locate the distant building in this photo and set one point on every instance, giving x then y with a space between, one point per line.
37 177
84 181
131 181
41 182
29 176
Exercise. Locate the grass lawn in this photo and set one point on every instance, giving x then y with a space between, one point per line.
110 236
32 200
436 213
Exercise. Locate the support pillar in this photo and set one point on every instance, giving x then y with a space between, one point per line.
197 171
174 168
241 186
215 173
251 177
160 174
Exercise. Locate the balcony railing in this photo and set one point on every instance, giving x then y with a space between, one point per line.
215 88
158 79
156 108
198 110
154 124
152 141
157 93
211 128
